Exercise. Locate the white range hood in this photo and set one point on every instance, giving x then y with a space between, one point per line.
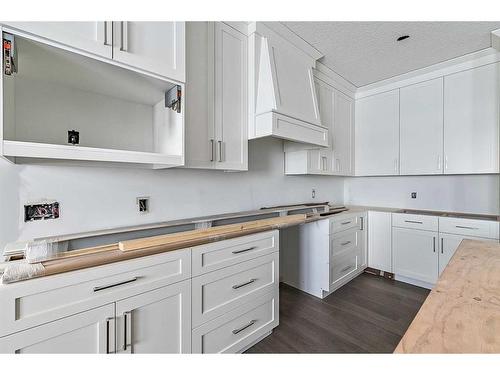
283 99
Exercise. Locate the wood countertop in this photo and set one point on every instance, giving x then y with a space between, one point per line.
462 312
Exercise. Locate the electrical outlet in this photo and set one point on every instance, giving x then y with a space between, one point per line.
313 193
41 211
143 204
414 195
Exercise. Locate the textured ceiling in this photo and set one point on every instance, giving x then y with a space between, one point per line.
367 52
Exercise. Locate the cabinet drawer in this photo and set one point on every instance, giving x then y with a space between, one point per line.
422 222
221 254
38 301
216 293
343 241
345 222
469 227
342 265
234 331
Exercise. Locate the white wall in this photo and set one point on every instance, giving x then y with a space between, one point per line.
476 194
98 198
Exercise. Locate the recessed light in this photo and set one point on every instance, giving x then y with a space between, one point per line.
402 37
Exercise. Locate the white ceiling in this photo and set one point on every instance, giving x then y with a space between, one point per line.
367 52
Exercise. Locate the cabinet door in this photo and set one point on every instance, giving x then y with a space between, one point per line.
325 94
343 135
421 128
471 101
91 331
415 254
156 47
199 115
448 244
379 241
377 135
231 98
155 322
89 36
363 242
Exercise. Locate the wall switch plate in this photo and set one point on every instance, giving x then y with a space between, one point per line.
41 211
414 195
143 204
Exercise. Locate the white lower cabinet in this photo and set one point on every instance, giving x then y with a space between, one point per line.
415 254
155 322
380 241
87 332
324 255
422 245
150 304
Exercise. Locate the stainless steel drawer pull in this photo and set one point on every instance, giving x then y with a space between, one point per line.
125 332
434 244
107 335
249 324
98 288
211 150
346 222
345 243
345 268
244 250
362 224
465 227
413 221
243 284
442 245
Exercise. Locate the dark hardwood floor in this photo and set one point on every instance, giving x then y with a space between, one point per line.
368 315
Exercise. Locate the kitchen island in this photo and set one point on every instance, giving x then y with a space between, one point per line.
462 312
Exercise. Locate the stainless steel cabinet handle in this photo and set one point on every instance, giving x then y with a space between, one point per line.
442 245
123 36
98 288
413 221
219 143
362 223
106 43
346 222
396 165
249 324
345 243
126 315
445 162
243 250
439 163
237 286
434 243
107 334
345 268
465 227
211 150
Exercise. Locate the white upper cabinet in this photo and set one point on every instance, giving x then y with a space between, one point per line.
377 134
421 127
216 97
88 36
343 135
471 115
231 101
157 47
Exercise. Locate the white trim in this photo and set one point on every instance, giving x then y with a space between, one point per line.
409 280
287 34
495 39
324 73
469 61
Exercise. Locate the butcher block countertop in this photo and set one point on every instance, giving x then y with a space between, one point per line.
462 312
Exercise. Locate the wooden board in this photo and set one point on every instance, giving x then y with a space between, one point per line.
100 255
195 237
462 312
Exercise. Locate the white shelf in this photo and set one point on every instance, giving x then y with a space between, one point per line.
66 152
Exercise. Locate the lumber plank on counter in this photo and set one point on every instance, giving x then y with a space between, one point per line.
200 236
462 312
101 255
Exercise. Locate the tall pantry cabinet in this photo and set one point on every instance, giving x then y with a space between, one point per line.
216 97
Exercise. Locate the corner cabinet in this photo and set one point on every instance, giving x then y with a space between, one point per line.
337 115
216 85
377 135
